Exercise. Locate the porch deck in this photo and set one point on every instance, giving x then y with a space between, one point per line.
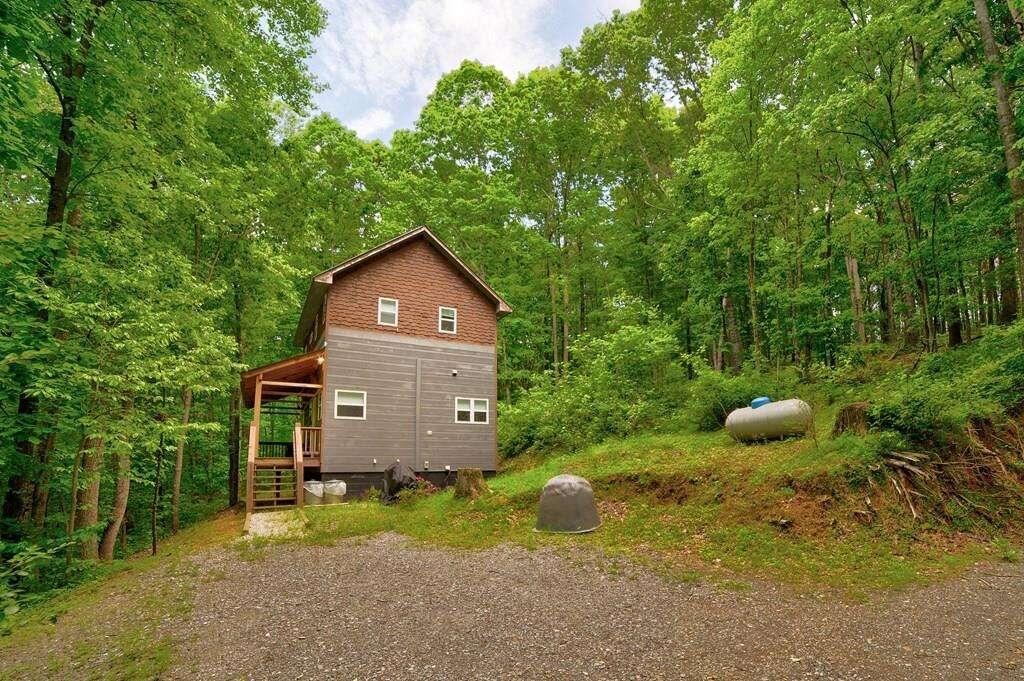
275 469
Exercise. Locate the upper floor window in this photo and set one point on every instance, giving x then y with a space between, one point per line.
447 319
387 311
471 410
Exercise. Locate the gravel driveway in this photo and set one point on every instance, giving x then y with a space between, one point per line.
384 608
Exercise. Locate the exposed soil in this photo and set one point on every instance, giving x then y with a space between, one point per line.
384 608
675 488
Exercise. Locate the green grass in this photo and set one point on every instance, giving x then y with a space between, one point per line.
688 504
108 627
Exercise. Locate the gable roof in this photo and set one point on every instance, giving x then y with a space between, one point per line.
320 283
290 369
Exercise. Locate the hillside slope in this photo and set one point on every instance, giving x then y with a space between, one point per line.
926 479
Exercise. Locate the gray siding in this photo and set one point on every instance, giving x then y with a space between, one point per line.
393 371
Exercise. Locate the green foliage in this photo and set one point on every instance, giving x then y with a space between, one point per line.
618 384
933 404
668 198
712 395
1006 551
23 568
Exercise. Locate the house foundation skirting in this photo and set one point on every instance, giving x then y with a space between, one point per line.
358 484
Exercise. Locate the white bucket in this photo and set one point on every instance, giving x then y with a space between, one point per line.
334 491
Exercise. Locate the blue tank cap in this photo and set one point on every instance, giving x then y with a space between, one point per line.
759 402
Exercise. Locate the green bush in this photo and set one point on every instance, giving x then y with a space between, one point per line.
930 406
921 415
617 384
712 395
26 571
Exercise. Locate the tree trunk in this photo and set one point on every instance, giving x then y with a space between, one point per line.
470 484
1008 299
234 445
956 333
72 71
154 509
581 327
18 498
856 298
124 465
565 321
1008 136
553 293
888 299
717 348
1015 16
41 494
179 458
910 332
755 334
234 409
991 293
732 334
968 322
76 467
87 512
69 523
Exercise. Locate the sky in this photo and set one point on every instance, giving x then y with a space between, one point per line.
380 59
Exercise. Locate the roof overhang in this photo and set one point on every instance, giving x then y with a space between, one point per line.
300 370
321 283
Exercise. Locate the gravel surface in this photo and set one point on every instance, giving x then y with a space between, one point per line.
384 608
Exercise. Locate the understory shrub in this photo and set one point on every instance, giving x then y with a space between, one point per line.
617 384
712 395
982 382
27 570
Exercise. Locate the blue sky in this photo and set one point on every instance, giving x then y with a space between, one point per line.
379 59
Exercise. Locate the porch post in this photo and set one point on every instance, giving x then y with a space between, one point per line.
256 401
298 459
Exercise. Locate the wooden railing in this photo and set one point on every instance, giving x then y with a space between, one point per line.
275 471
311 442
280 449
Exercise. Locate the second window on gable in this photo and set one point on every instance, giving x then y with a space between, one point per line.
387 311
350 404
447 319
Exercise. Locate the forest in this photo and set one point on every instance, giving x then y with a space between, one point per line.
699 197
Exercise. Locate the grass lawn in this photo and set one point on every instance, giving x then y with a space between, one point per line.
696 504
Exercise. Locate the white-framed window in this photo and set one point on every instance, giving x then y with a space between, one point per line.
447 319
350 404
387 312
471 410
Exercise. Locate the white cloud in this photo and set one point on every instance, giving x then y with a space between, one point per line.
373 121
386 51
382 57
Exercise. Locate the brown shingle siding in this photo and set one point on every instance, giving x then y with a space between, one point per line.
422 280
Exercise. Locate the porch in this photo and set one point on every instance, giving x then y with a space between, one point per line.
285 434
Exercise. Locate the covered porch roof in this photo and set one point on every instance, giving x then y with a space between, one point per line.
293 376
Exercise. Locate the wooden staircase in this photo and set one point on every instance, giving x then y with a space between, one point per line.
275 471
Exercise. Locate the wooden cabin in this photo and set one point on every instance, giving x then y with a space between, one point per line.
398 363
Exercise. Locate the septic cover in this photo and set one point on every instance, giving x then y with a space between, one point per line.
567 505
